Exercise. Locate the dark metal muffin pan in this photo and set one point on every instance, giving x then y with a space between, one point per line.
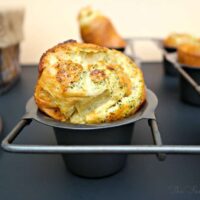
88 148
111 141
169 69
101 150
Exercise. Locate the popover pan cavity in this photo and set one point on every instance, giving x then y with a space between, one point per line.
189 81
93 151
92 165
169 69
187 92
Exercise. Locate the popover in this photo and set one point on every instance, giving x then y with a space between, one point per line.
84 84
98 29
176 39
189 54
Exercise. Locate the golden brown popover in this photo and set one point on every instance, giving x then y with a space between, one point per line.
85 83
176 39
189 54
98 29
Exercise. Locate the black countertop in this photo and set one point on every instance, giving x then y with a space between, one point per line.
26 176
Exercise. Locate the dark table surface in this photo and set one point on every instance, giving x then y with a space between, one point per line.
26 176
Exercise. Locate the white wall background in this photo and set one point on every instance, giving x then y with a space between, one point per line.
48 22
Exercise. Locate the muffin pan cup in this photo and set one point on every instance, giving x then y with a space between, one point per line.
169 69
96 151
92 165
92 151
189 80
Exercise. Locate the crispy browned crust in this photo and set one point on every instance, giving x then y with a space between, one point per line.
62 46
51 88
46 105
124 108
189 54
101 31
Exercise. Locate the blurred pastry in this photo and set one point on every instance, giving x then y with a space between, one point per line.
176 39
98 29
85 83
189 54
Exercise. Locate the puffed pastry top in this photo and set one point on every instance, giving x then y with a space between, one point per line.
85 84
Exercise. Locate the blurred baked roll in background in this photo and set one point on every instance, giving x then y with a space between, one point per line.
176 39
85 83
98 29
189 54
